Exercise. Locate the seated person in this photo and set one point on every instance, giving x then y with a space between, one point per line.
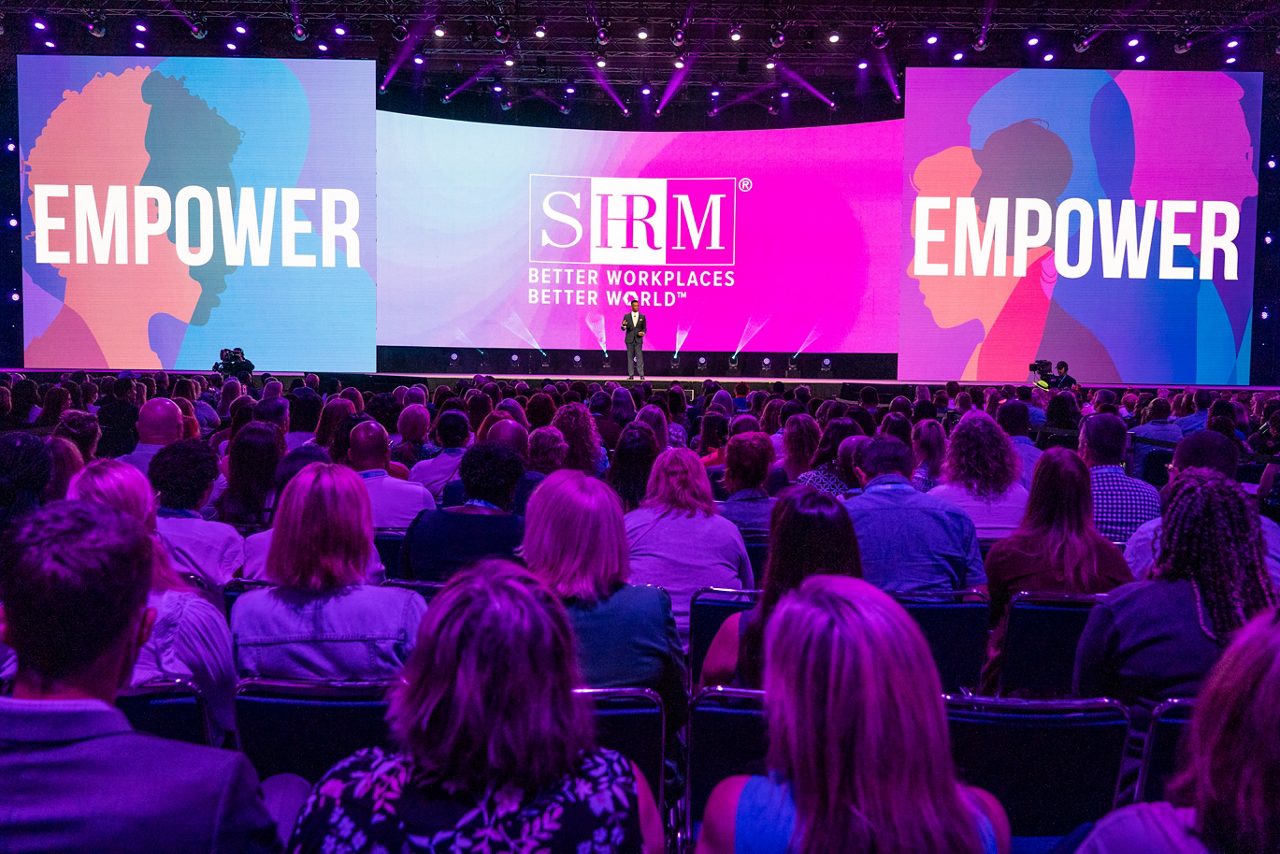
980 476
515 436
440 542
849 674
74 776
748 459
453 433
322 622
183 475
493 750
396 503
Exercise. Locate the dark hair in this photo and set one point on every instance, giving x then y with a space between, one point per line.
1058 523
748 458
384 409
340 447
1207 449
897 425
181 473
295 461
26 467
82 429
274 410
452 429
1203 399
836 431
304 412
1014 418
1061 365
1062 411
72 575
869 396
810 533
714 433
490 471
632 462
1104 437
886 455
252 458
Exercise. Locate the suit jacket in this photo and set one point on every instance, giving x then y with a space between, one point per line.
74 776
632 331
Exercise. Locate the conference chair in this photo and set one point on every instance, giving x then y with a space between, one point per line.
633 722
758 553
1040 643
727 737
426 589
306 728
236 588
1170 722
169 708
388 543
1155 467
1053 764
708 610
955 625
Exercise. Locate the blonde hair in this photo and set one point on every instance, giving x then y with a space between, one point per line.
323 530
574 537
857 725
678 484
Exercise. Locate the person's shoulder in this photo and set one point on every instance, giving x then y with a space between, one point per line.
1155 827
641 598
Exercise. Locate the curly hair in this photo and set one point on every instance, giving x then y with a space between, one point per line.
182 473
980 457
575 423
1211 537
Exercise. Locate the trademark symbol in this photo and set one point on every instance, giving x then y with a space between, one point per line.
744 184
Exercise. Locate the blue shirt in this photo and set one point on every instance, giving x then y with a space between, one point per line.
1194 422
1028 455
913 542
1121 504
1165 430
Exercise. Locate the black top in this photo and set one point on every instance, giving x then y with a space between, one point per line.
119 421
440 542
455 494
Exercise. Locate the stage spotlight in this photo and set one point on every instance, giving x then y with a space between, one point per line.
509 59
602 34
419 59
879 37
642 32
49 44
826 366
14 297
13 222
606 364
569 88
1032 41
1264 314
675 362
979 42
497 86
766 367
502 32
438 29
300 32
862 66
199 28
140 26
735 33
679 61
240 28
785 93
833 37
11 146
97 26
646 89
1271 161
771 62
601 62
400 31
777 38
1048 57
322 47
1083 41
931 39
715 90
1133 42
231 46
40 25
792 368
1140 58
702 364
1231 60
540 30
677 35
734 368
137 45
1182 43
957 56
339 28
1233 43
1267 238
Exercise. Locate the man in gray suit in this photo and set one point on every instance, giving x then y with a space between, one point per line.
74 776
634 325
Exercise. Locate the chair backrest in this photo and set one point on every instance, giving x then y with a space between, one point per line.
1053 764
985 544
1040 642
1155 466
633 722
236 588
708 610
955 625
758 553
1170 722
388 543
426 589
169 708
727 736
307 728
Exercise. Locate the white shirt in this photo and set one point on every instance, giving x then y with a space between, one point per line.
992 517
211 550
437 471
1143 547
635 319
396 503
141 456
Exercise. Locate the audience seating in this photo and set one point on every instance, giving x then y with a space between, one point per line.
1155 467
955 625
633 722
758 554
1040 643
169 708
1054 765
426 589
236 588
306 728
708 610
727 736
1169 724
388 544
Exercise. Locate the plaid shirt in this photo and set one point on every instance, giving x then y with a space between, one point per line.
1121 504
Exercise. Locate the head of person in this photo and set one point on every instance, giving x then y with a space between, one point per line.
340 447
74 578
1102 439
848 673
622 406
678 485
82 429
869 397
272 389
370 447
810 533
575 423
1210 535
980 458
635 305
413 424
744 423
540 409
1059 517
335 412
836 431
1230 766
486 699
929 441
490 472
56 401
292 463
67 462
1060 368
633 460
1206 449
714 432
1063 411
897 424
574 537
1159 410
183 473
748 458
251 463
26 467
547 450
1203 399
322 532
453 429
512 434
800 439
354 396
885 455
657 420
274 411
1014 418
159 422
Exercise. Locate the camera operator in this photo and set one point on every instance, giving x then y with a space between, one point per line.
1058 379
232 363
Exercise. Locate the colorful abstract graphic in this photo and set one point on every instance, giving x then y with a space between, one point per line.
1103 218
759 241
176 206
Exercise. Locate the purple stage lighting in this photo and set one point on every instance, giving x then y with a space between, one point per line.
957 56
1142 57
1234 43
1133 42
418 59
50 45
339 29
241 29
13 222
1231 60
715 92
497 87
39 25
322 47
1048 57
679 61
231 45
1032 41
570 89
12 147
931 39
646 90
14 298
601 62
140 26
784 94
1271 161
862 66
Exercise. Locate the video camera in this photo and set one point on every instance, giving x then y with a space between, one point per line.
1041 366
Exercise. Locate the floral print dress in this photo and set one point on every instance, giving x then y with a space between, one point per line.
373 801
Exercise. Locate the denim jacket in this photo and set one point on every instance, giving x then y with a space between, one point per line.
359 633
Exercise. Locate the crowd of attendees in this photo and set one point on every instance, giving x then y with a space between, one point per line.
570 524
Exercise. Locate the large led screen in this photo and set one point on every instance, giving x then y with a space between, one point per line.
1102 218
502 236
175 206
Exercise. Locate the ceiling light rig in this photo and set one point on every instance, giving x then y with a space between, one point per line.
880 36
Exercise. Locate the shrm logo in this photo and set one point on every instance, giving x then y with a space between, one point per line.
632 221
